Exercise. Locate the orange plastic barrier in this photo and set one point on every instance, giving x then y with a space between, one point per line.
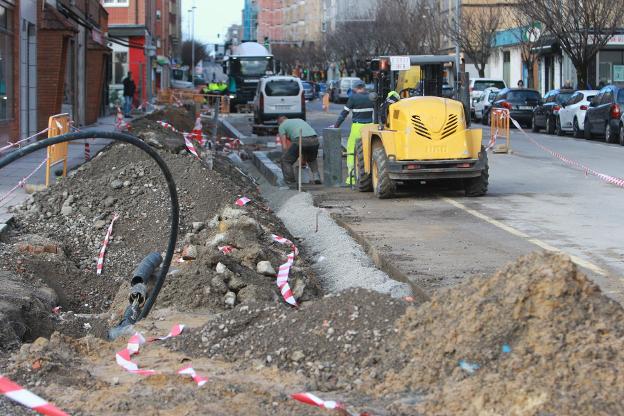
57 153
499 128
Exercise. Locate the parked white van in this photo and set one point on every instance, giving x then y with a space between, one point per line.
277 95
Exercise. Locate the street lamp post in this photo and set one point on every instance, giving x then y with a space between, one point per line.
192 11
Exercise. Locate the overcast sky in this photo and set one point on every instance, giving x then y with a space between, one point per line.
212 17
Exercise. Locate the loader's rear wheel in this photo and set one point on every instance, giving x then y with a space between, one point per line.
364 180
478 186
383 186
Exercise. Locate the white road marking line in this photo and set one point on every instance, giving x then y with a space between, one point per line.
579 261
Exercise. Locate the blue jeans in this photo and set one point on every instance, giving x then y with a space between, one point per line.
127 105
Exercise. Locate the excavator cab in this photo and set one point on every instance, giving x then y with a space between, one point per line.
425 136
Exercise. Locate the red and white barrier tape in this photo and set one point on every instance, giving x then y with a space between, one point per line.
226 249
188 370
124 357
167 125
120 123
17 143
21 183
174 332
312 400
26 398
284 270
189 145
109 231
242 201
613 180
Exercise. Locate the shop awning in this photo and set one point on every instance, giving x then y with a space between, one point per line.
162 60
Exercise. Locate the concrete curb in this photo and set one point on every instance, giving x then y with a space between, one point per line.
5 224
269 170
231 130
381 262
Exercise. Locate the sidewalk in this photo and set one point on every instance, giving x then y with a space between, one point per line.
16 171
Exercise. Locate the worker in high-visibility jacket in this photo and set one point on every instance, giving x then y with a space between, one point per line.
391 98
362 107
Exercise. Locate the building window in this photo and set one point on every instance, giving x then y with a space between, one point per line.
116 3
120 66
6 69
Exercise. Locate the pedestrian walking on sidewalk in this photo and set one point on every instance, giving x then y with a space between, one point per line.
362 107
129 87
289 131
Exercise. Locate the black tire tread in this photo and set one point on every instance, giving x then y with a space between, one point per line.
478 186
385 186
364 180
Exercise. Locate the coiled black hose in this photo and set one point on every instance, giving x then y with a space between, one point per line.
173 195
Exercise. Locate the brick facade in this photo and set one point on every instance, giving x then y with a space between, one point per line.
53 38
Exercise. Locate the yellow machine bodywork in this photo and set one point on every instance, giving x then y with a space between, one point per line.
408 78
423 129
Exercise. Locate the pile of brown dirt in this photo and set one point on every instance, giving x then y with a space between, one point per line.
70 219
566 343
179 117
158 136
332 340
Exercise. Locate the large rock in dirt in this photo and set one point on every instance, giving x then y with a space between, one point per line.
25 310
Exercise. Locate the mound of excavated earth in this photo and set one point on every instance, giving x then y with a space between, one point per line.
50 255
544 338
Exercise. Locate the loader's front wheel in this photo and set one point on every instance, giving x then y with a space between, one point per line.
383 186
478 186
364 180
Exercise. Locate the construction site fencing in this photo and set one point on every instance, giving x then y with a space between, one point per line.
499 129
181 97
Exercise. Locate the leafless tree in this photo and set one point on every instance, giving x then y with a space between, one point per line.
530 37
581 27
475 33
187 52
399 27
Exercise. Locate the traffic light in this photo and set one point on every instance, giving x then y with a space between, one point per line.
266 42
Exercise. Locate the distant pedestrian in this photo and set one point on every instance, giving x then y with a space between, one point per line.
520 84
290 130
129 87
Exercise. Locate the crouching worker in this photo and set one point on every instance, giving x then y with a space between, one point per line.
289 132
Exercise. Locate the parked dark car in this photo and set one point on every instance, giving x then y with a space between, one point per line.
603 117
545 114
309 90
519 101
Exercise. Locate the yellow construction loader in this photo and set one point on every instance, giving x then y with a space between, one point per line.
424 137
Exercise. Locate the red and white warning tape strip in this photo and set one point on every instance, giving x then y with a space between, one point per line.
19 142
120 123
284 270
188 370
109 231
21 183
312 400
26 398
189 145
242 201
167 125
613 180
174 332
226 249
124 357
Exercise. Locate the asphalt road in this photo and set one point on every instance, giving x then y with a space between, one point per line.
437 236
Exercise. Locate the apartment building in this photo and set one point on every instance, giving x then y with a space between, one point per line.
270 21
53 59
131 33
167 39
